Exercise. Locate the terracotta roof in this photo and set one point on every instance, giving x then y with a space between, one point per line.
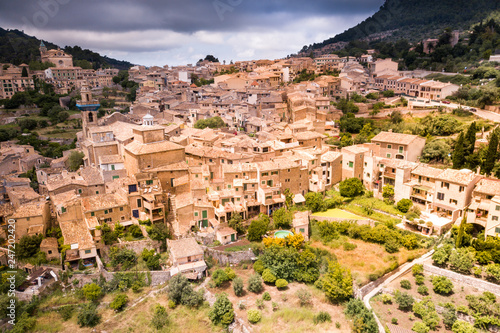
185 247
463 177
138 148
308 135
398 329
102 201
76 232
426 171
488 186
109 159
49 242
397 138
226 231
29 210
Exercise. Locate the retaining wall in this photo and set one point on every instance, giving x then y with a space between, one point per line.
232 258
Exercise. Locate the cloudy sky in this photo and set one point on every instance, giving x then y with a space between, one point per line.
176 32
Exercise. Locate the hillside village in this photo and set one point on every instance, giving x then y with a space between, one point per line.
206 153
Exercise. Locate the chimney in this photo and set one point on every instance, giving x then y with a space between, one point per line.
478 170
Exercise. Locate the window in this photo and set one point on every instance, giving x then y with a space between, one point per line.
121 209
79 191
400 149
139 202
96 192
453 201
497 230
388 155
105 211
92 213
264 174
461 189
440 196
63 210
88 251
494 218
195 213
497 207
149 182
228 187
389 146
351 164
263 182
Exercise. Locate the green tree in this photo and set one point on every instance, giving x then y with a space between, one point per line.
388 93
363 319
460 237
214 122
404 300
314 201
88 316
442 254
255 283
219 277
160 317
238 286
28 246
222 312
436 150
288 198
24 72
258 228
491 156
92 292
420 327
351 187
388 193
470 139
337 283
459 153
27 124
180 291
462 260
236 222
282 218
268 276
404 205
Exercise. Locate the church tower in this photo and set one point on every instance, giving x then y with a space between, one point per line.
43 48
89 107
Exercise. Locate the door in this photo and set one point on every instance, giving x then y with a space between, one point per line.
233 238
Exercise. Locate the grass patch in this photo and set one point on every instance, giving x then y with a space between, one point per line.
338 213
290 320
376 204
373 216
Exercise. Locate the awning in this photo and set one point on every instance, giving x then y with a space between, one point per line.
299 198
474 205
422 188
484 205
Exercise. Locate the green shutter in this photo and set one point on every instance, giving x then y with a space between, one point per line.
204 214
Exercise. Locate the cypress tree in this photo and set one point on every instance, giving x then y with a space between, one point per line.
458 152
470 138
24 72
460 235
489 162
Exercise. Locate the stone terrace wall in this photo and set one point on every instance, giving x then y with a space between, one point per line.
469 280
138 246
232 258
336 219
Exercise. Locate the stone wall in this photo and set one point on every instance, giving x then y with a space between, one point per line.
460 278
369 222
157 277
138 246
232 258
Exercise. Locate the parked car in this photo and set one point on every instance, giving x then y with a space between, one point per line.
446 102
472 110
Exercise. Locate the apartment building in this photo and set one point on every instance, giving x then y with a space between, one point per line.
399 146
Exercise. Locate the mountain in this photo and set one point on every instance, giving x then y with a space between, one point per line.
16 47
411 19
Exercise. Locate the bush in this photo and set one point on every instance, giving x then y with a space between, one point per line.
419 280
219 277
391 246
119 302
258 266
230 273
238 286
363 319
304 296
135 231
281 283
462 260
394 321
404 205
266 296
477 271
258 228
404 301
420 327
386 299
160 317
417 270
259 303
423 290
463 327
255 284
351 187
493 272
337 283
322 317
449 315
180 291
442 285
349 246
275 306
88 316
254 316
405 284
66 312
268 276
222 312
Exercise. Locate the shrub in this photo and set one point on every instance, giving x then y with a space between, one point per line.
449 315
219 277
255 284
404 301
363 319
423 290
136 286
259 302
119 303
254 316
419 280
92 292
463 327
351 187
230 273
88 316
281 283
180 291
394 321
266 296
391 246
349 246
404 205
275 306
171 304
337 283
442 285
477 271
420 327
462 260
322 317
304 296
222 312
268 276
493 272
417 270
405 284
66 312
386 299
258 266
238 286
160 317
